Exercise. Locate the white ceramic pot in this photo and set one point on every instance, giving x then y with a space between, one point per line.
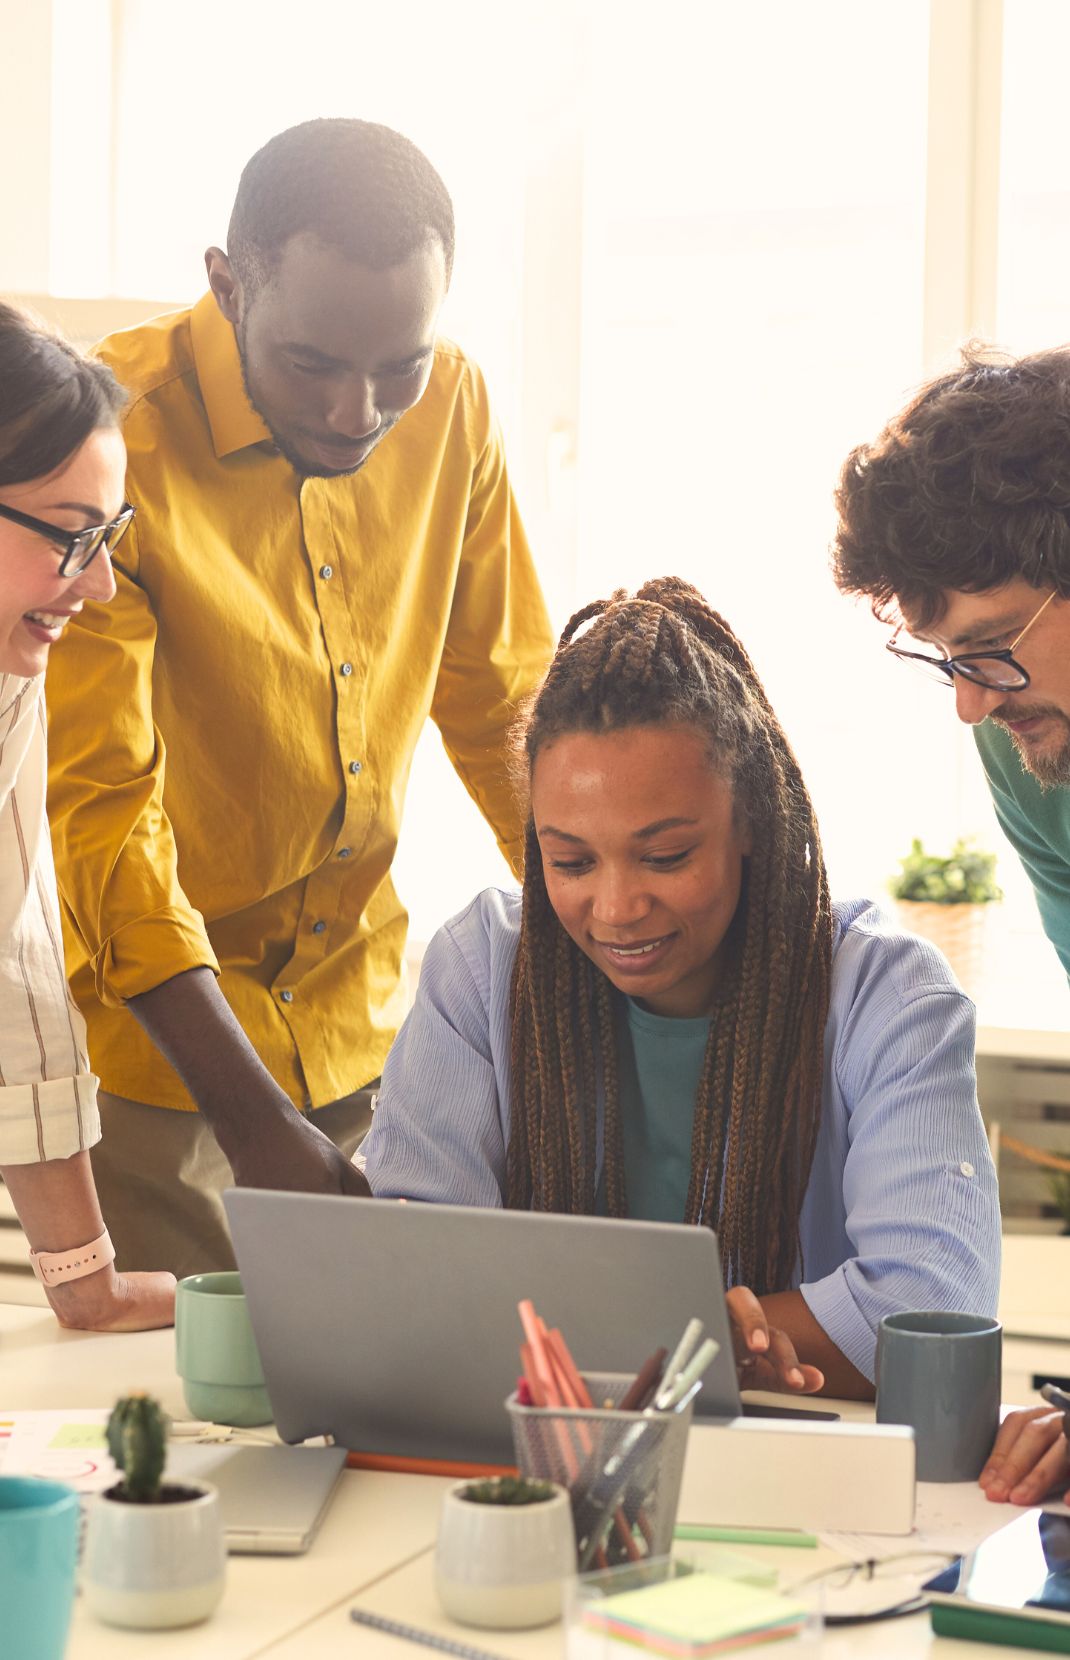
155 1565
504 1564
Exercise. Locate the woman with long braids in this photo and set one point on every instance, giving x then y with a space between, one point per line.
674 1022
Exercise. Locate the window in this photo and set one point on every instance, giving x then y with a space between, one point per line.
695 262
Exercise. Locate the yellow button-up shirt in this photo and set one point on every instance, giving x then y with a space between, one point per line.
231 737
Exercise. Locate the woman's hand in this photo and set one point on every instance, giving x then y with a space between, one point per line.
765 1355
1030 1456
108 1301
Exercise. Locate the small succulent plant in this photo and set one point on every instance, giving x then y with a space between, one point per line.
508 1490
966 877
137 1441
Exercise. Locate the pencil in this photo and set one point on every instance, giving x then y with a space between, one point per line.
412 1634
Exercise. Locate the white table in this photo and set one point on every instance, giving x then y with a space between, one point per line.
375 1548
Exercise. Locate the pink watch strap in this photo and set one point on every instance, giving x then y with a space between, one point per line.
53 1267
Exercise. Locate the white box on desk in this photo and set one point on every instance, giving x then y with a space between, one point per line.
837 1478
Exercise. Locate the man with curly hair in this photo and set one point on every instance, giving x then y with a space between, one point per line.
955 521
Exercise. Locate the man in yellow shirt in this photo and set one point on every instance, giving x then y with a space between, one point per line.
232 736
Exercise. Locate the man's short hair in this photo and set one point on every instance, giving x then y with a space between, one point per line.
357 186
966 488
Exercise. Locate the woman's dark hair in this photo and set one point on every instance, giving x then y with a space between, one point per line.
51 398
664 657
966 488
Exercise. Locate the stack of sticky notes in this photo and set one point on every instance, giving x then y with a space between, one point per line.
695 1615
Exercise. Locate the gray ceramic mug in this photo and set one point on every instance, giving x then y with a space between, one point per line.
941 1373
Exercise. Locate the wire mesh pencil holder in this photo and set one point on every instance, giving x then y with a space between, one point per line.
622 1469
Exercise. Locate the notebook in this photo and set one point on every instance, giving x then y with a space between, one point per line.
393 1328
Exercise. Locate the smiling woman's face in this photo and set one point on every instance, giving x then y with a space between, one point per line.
36 603
643 859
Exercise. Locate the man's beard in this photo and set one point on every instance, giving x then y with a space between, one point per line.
1050 767
301 465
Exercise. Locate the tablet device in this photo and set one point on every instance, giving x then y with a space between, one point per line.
1014 1588
272 1499
393 1327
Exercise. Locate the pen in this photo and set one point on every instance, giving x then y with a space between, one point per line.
413 1634
675 1391
683 1350
1055 1396
648 1376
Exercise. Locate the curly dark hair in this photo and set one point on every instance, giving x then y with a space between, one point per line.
358 186
966 488
664 657
51 397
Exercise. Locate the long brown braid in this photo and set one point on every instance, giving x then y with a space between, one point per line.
666 657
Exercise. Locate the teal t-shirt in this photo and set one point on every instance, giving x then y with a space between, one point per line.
657 1107
1036 822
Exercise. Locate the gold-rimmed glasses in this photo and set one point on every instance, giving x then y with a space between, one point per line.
995 669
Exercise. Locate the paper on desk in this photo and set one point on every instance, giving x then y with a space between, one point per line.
950 1518
69 1445
61 1446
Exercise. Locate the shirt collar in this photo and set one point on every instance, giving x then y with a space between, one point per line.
234 422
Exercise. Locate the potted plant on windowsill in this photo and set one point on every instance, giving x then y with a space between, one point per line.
948 901
154 1554
505 1548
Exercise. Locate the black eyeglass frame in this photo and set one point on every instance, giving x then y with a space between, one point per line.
75 543
952 666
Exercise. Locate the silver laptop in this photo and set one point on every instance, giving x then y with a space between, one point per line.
272 1499
394 1329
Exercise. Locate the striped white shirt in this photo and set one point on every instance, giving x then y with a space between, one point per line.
48 1095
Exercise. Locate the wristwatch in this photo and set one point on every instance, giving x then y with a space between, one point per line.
54 1267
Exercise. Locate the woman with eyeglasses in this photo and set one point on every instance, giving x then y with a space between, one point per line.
675 1023
62 511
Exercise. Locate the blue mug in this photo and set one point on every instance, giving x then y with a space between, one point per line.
38 1554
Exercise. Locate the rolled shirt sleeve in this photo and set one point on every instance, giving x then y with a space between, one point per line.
920 1202
47 1093
120 887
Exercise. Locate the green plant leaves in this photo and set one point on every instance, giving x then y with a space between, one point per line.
965 877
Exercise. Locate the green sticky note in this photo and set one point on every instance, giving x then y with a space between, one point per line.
692 1613
79 1435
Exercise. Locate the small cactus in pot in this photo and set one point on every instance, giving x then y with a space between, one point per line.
155 1554
137 1441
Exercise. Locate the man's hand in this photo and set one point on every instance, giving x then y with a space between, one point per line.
260 1133
765 1355
1030 1456
108 1301
285 1151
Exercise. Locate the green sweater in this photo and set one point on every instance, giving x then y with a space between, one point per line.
1036 822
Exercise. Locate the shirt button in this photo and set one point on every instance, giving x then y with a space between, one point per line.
286 996
347 668
326 571
319 927
967 1168
355 766
344 852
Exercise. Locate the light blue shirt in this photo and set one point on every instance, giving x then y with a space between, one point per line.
901 1210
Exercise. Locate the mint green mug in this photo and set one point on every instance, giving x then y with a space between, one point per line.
216 1354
